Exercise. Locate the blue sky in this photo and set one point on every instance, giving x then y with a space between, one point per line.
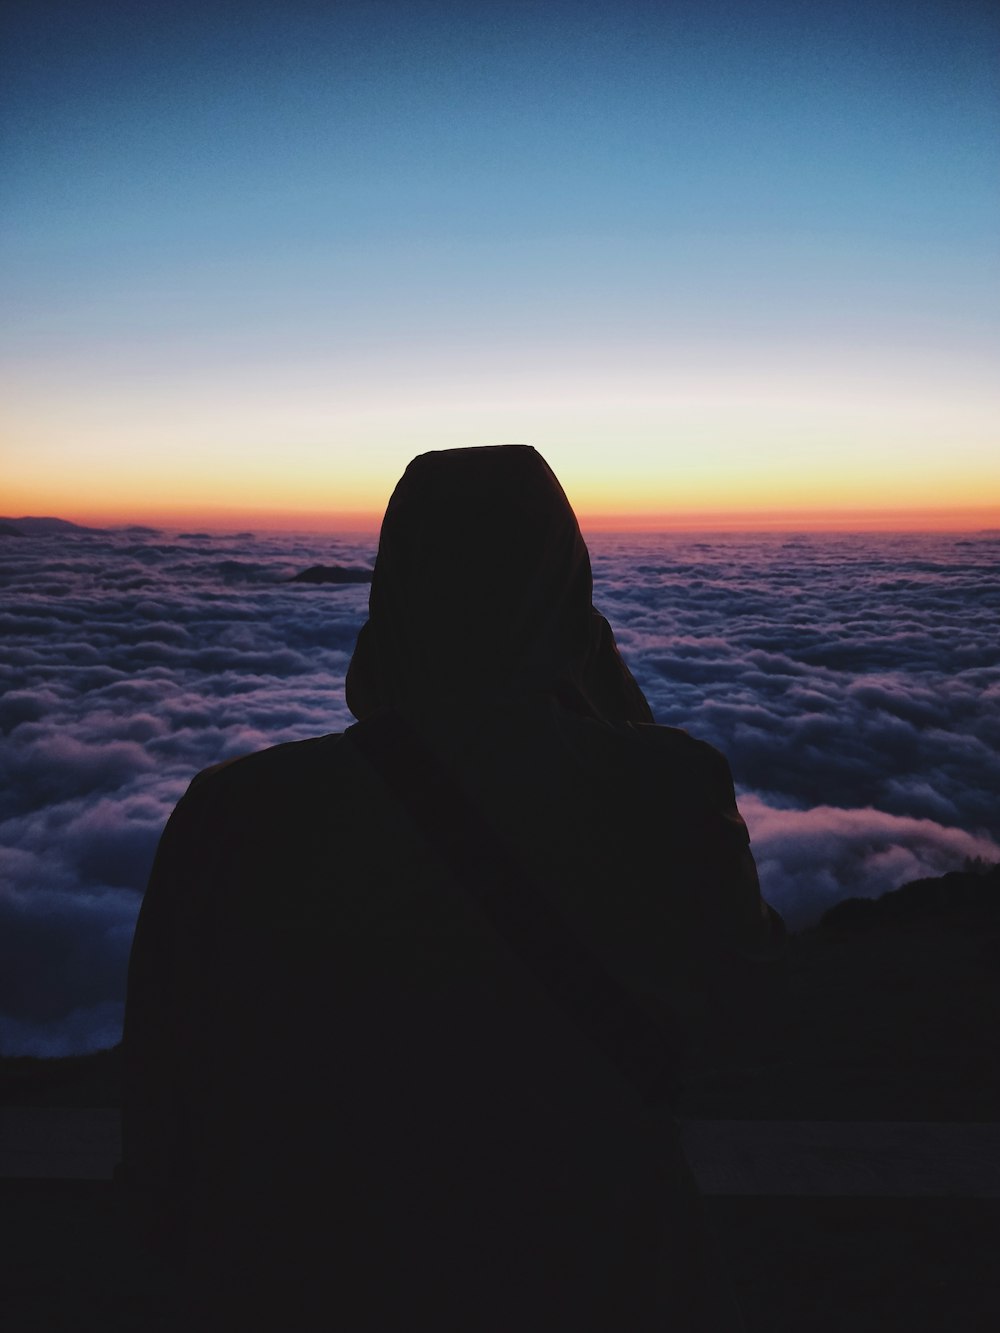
332 235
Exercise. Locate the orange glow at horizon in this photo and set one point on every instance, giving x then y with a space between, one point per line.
639 482
594 518
654 438
634 498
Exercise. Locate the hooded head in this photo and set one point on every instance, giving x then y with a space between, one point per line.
482 587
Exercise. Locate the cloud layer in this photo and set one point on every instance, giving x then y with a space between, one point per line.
854 683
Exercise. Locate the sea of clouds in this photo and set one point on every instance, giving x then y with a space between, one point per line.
853 682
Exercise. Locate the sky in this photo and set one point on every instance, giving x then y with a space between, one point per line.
722 263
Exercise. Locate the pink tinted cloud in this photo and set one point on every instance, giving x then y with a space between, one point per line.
809 859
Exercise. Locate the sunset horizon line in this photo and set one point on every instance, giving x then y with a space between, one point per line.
226 520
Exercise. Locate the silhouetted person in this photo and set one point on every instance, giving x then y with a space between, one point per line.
351 1103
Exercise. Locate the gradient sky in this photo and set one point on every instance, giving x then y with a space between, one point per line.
713 259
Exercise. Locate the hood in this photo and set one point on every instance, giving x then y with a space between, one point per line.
482 587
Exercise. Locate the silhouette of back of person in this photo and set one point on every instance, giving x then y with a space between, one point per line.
351 1103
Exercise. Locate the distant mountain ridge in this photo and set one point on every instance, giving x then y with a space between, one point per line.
332 574
40 527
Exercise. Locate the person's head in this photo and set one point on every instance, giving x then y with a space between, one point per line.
482 586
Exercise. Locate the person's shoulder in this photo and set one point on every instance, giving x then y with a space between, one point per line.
273 769
666 759
700 762
675 742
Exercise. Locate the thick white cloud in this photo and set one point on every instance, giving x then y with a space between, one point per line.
854 684
840 670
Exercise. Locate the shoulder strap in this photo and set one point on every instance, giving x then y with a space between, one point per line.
485 866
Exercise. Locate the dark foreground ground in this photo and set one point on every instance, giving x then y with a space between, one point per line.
797 1265
889 1014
